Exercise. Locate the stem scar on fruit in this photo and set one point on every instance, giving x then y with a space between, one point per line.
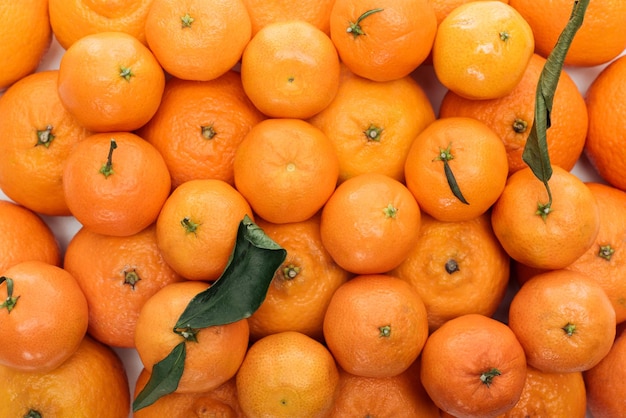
355 29
45 136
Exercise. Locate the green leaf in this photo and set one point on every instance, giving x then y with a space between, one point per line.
163 379
454 186
535 153
235 295
242 287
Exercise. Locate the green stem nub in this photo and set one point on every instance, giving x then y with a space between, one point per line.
385 331
208 132
45 136
126 73
188 333
10 302
107 168
569 329
488 376
354 28
373 133
131 278
32 413
186 21
606 252
190 226
291 271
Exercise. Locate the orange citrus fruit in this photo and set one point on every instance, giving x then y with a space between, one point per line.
290 70
550 395
600 38
374 135
197 227
543 235
605 382
564 321
287 374
302 287
316 12
109 81
73 19
115 183
375 325
286 169
34 144
213 354
456 168
26 35
199 125
482 49
605 99
220 402
43 316
196 39
399 396
512 115
117 276
91 382
473 365
457 268
25 236
383 40
370 223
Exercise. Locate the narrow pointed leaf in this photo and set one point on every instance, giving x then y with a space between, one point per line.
535 153
454 186
163 379
242 287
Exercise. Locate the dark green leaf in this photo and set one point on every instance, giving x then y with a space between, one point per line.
535 153
454 186
164 378
242 287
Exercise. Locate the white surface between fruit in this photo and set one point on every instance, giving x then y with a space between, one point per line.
65 227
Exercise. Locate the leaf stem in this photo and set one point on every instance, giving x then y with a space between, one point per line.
355 27
10 302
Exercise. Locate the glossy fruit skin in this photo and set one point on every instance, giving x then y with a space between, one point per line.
286 169
124 201
386 44
481 49
375 326
106 98
475 156
36 339
36 136
197 40
25 236
550 315
287 374
600 39
211 360
290 70
103 391
374 136
457 357
370 223
26 35
567 231
511 117
605 103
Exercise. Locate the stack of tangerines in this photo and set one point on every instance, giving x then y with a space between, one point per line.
405 221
